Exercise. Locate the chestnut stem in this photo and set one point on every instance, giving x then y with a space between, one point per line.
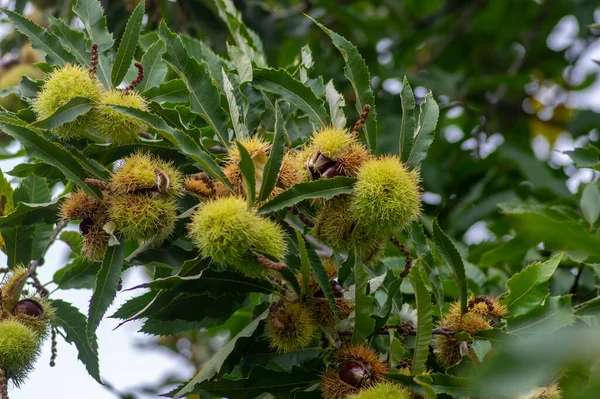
102 185
93 61
305 219
3 384
358 126
408 259
267 263
137 80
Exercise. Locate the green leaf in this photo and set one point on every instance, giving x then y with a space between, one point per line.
586 157
76 275
18 244
6 196
74 325
358 74
323 188
280 82
129 42
246 39
336 103
424 321
528 288
155 69
184 142
271 171
555 313
71 39
51 153
241 62
555 226
279 385
40 39
322 278
590 203
247 168
105 288
29 215
204 96
454 260
66 113
213 366
234 111
407 127
428 118
588 308
363 302
92 16
304 263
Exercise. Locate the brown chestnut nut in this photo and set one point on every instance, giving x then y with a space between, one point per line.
353 373
28 307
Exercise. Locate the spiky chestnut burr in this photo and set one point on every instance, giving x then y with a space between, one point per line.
61 86
290 326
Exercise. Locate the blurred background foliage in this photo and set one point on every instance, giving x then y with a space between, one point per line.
517 83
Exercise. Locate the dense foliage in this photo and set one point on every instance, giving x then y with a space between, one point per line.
272 169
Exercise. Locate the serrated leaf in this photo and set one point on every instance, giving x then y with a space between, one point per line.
71 39
322 278
184 142
363 302
528 288
555 313
407 127
40 39
18 245
424 319
129 42
155 69
336 105
105 288
77 275
92 16
280 82
247 40
248 170
590 203
358 74
234 111
133 306
428 118
323 188
241 62
173 91
213 366
280 385
588 308
66 113
273 165
204 96
52 153
30 214
74 325
454 260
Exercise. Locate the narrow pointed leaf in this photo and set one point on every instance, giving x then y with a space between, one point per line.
323 188
528 288
155 69
213 366
336 103
129 42
407 127
280 82
273 166
71 39
105 288
74 325
184 142
234 111
322 278
248 172
454 260
67 113
92 16
40 38
357 73
204 96
424 319
363 323
426 125
50 152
